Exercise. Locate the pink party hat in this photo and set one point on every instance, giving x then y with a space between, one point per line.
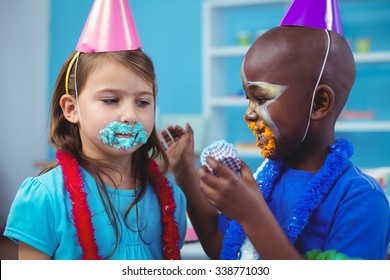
110 27
324 14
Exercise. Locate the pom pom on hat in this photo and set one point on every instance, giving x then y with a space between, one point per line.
223 152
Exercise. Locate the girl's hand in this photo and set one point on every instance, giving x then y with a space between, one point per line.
236 197
180 147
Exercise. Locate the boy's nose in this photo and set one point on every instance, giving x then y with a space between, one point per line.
250 114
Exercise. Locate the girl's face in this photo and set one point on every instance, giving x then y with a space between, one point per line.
116 111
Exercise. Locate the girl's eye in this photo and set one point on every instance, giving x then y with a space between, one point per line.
110 100
143 103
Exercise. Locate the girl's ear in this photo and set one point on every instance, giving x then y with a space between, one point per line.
323 102
69 108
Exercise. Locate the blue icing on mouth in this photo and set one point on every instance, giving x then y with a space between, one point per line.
109 137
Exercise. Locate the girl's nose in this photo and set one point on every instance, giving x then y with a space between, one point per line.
128 114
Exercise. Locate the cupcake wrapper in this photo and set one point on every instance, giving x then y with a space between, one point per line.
223 152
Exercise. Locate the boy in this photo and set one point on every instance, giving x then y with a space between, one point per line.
314 203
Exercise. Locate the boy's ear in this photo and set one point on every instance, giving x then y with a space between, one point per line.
323 102
69 108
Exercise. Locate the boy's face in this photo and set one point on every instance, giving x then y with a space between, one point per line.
279 102
112 96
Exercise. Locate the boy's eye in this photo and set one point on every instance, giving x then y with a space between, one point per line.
110 100
256 99
260 100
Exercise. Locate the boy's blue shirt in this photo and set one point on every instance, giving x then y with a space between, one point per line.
353 219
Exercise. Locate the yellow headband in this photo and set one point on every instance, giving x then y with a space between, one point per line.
68 71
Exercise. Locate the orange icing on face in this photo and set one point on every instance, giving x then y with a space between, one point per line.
252 126
266 150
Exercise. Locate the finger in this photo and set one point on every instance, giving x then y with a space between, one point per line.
205 190
217 183
247 175
207 177
245 171
189 130
175 133
219 168
166 137
208 184
179 130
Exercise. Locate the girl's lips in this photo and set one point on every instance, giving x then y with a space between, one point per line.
123 135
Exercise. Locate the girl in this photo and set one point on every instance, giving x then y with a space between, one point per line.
106 198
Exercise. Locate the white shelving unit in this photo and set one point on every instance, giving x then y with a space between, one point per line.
215 100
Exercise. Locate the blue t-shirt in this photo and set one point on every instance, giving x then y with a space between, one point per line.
353 218
41 217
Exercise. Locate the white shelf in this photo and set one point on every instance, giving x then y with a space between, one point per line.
210 4
372 57
233 51
228 101
228 51
251 153
363 126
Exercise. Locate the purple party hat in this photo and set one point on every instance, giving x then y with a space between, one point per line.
324 14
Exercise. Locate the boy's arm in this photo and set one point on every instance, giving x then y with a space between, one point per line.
240 199
203 216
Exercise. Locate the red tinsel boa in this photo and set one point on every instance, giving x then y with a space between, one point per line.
81 213
170 235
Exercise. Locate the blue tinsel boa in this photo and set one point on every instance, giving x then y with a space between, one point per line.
316 189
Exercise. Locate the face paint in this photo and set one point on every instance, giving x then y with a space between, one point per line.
272 92
120 135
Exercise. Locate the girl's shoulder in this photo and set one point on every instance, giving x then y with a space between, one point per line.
49 180
43 190
49 185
